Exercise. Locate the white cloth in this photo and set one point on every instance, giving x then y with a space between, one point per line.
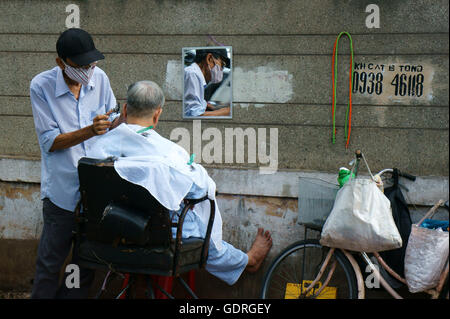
160 166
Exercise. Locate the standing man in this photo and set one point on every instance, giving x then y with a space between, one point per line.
71 105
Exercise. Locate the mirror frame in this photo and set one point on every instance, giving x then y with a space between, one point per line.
182 79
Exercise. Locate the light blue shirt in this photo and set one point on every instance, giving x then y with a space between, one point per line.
57 111
194 91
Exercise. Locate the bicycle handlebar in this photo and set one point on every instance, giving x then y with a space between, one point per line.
359 155
406 175
401 174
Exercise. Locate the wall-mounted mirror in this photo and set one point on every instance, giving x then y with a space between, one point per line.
207 85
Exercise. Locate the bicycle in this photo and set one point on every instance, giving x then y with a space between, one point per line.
297 271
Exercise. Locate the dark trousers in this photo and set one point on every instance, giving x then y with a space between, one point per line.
54 247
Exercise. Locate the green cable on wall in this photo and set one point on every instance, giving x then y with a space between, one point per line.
348 115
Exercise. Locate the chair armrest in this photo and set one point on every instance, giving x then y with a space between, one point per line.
189 204
205 249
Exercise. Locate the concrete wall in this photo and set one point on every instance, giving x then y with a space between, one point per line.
282 79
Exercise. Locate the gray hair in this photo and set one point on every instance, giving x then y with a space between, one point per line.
144 97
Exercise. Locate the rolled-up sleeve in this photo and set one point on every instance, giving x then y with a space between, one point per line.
110 99
194 104
46 127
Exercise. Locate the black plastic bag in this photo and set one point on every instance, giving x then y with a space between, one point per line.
395 258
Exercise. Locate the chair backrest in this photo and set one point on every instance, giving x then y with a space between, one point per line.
102 188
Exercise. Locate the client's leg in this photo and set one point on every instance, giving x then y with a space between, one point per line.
229 262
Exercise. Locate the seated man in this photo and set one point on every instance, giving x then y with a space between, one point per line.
165 169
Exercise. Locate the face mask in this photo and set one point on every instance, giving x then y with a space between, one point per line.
216 74
79 75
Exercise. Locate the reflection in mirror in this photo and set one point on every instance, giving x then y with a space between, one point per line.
207 86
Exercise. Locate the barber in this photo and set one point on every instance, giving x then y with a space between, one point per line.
207 68
71 104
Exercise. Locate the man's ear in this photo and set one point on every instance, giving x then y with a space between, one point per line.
123 114
210 60
60 63
156 115
124 110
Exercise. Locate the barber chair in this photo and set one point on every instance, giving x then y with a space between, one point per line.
122 228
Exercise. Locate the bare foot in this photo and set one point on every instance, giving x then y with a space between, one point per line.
259 250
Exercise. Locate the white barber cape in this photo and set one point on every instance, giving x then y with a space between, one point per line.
160 166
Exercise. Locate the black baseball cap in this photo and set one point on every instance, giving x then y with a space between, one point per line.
77 45
218 52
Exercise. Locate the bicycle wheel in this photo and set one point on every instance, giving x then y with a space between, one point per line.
287 278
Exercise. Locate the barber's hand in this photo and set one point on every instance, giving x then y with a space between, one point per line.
225 111
101 124
210 107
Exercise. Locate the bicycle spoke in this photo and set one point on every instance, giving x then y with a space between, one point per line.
296 279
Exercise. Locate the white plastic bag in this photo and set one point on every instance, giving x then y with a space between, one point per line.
425 257
361 219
